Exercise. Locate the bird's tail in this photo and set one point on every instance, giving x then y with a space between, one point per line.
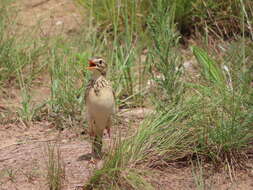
97 146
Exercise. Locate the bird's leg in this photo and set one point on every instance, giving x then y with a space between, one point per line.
108 131
91 132
108 127
97 146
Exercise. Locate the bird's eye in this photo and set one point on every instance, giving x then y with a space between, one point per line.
100 62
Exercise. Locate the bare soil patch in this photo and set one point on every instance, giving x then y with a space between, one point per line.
185 178
24 156
52 16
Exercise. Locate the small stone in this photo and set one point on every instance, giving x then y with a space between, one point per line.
59 23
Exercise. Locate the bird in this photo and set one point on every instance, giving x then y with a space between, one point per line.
100 104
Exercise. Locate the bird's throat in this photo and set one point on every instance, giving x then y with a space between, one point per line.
96 74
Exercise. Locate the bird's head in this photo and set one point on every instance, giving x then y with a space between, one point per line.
97 65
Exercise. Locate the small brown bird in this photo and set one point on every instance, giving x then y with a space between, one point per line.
100 103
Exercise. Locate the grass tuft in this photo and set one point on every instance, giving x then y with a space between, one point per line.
55 167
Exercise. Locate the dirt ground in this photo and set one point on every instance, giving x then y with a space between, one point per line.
23 151
51 16
24 155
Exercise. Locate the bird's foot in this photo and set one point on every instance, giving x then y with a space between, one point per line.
108 132
92 161
92 134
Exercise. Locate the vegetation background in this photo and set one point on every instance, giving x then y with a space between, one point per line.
190 61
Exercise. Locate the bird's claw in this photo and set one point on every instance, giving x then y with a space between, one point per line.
92 161
108 132
92 134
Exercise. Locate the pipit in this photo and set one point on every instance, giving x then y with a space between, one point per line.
100 103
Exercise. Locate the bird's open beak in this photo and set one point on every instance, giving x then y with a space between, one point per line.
92 65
